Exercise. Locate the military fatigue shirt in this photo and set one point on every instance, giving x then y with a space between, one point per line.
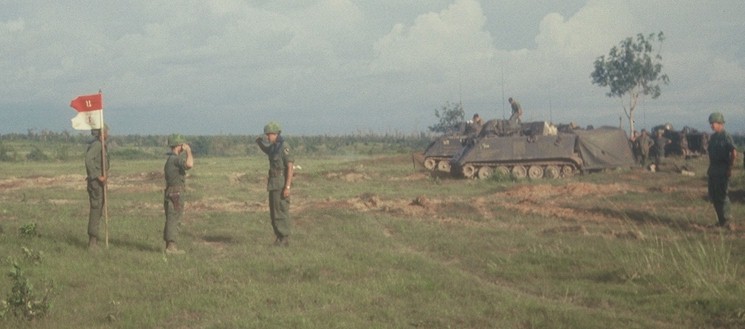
175 169
279 158
93 163
720 149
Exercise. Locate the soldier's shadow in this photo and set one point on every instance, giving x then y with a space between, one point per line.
645 218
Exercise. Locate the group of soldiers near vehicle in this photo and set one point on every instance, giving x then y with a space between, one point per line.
719 146
179 160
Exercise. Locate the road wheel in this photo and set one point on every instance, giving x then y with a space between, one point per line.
468 171
519 172
567 171
552 172
535 172
503 170
485 172
443 165
430 163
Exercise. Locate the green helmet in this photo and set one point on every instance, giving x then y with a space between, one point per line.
176 140
716 117
272 128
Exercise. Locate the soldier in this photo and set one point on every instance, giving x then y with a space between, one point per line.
278 182
643 143
179 161
660 142
722 155
474 126
96 177
517 111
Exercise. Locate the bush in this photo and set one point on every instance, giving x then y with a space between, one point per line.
22 302
37 155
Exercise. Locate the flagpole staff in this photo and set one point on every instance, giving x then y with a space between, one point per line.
106 183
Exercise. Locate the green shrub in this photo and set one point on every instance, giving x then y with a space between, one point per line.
37 155
22 301
28 230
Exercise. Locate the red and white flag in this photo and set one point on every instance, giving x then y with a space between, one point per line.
90 112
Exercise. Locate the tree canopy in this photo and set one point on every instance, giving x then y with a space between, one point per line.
632 69
450 116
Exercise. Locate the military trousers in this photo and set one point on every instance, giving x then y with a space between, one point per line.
96 200
279 211
718 185
173 204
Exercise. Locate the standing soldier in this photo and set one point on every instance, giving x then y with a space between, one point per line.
643 143
179 161
96 176
722 155
660 142
278 182
517 111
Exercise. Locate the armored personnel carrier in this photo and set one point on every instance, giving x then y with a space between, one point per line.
540 149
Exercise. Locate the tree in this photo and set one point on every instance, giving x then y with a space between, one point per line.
630 69
450 115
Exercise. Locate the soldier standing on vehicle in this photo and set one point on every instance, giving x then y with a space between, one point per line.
179 161
96 177
722 155
279 181
517 111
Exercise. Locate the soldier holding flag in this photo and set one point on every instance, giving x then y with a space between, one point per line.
96 168
90 116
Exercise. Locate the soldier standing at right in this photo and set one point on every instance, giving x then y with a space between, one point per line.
722 155
96 176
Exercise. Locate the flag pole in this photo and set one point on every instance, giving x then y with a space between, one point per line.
105 174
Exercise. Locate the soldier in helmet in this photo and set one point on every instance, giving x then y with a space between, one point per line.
279 181
473 127
179 161
722 155
96 177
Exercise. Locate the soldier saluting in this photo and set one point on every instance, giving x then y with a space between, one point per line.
278 182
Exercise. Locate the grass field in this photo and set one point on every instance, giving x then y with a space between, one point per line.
377 243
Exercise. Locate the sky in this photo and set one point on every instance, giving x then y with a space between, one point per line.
335 67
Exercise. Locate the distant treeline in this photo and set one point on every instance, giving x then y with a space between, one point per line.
61 146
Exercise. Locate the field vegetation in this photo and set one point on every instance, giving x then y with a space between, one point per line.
378 242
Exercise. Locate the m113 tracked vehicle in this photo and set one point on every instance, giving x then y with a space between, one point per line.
539 149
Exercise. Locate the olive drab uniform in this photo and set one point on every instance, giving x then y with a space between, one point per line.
279 207
93 168
643 142
173 203
720 150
